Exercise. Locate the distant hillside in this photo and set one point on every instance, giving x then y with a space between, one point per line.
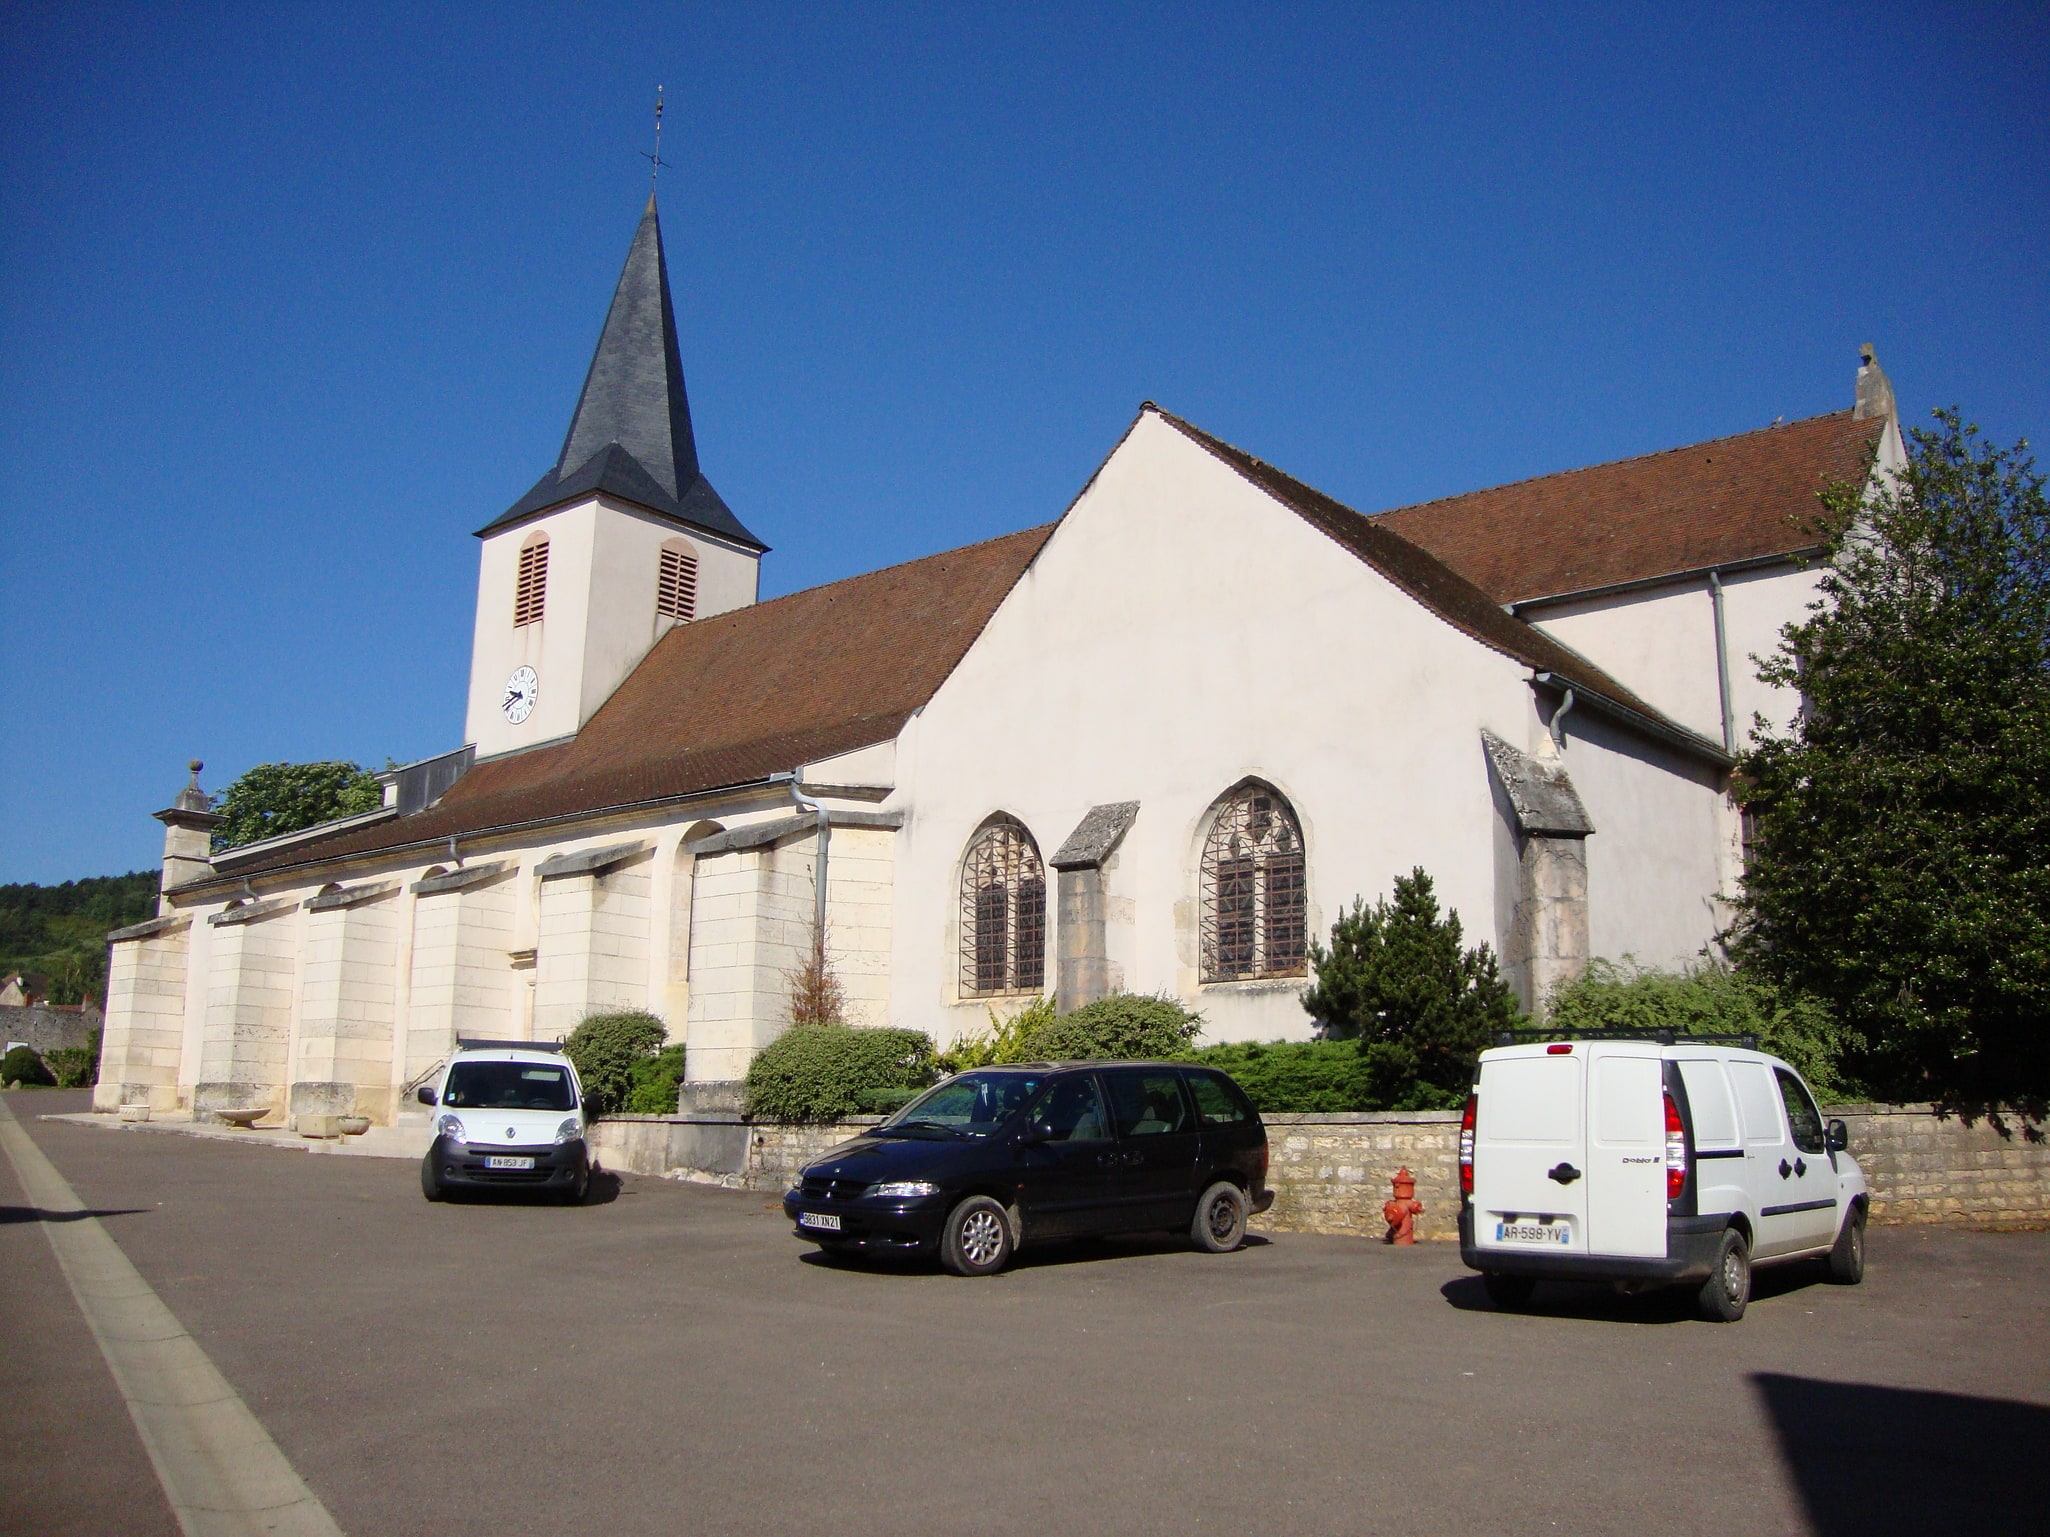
61 931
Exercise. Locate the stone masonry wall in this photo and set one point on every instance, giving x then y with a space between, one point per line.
1331 1172
1922 1169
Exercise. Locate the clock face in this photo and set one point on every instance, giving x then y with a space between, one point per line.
522 691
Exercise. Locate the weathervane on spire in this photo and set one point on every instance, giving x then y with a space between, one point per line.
655 160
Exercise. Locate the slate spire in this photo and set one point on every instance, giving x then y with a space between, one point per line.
630 435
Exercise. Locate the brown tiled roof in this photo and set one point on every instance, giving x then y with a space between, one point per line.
1712 504
1436 585
732 699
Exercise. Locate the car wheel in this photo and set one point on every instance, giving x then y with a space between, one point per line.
430 1182
1220 1224
1508 1291
977 1240
1847 1259
1728 1287
577 1193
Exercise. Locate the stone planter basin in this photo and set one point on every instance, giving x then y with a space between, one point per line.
245 1117
135 1112
352 1125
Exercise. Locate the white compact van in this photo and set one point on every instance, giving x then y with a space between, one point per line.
1651 1162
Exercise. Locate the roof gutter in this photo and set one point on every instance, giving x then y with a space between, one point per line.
1664 731
1667 579
502 829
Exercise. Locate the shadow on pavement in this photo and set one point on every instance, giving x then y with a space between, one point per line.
1600 1303
1874 1460
37 1214
1073 1251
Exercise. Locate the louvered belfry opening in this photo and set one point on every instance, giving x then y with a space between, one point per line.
1003 912
676 588
1254 889
530 591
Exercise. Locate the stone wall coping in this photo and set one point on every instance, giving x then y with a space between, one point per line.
252 912
460 878
593 861
712 1120
350 896
150 928
1360 1117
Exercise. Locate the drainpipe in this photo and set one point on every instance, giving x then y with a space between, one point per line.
1558 725
807 803
1722 663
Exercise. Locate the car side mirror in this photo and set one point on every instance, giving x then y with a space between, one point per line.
1839 1137
1034 1134
426 1095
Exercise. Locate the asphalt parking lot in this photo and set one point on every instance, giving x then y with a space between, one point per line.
670 1359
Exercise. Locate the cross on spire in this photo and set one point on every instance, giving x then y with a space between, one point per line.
654 159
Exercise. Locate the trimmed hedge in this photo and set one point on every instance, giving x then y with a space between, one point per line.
1324 1076
24 1064
1122 1025
656 1081
606 1048
76 1067
813 1073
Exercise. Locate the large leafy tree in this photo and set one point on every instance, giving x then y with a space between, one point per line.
276 798
1398 979
1900 859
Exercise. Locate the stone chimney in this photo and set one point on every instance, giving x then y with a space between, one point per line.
1875 390
189 822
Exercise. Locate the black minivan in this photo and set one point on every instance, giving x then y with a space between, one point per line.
1003 1156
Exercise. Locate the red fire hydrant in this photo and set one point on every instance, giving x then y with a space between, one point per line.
1402 1212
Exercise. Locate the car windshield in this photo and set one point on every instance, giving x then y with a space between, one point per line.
509 1086
972 1105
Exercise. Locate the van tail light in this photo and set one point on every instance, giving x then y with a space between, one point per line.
1466 1120
1676 1151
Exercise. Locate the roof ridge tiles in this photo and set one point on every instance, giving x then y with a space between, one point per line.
1607 464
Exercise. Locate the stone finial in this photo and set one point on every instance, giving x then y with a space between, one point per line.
1875 391
189 822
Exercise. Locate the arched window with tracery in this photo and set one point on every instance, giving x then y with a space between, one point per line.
1003 911
1253 888
676 583
530 587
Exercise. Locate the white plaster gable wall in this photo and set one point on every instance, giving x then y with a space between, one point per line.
1661 642
599 618
1655 864
1180 632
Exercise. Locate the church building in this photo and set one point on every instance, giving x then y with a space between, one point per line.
1155 744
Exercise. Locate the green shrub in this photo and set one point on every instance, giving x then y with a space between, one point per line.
819 1072
1710 999
1004 1042
75 1067
1327 1075
1122 1025
884 1101
656 1080
605 1049
24 1065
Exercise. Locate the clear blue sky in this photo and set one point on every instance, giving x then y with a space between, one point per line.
292 299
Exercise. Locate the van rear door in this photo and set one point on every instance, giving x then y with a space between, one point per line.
1626 1152
1530 1153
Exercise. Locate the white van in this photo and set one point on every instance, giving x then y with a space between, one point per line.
512 1118
1651 1162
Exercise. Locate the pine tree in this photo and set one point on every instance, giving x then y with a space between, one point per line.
1398 980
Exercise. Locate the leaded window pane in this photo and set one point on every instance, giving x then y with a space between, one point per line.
1003 912
1254 889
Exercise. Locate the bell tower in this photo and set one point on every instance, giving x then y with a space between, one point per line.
621 540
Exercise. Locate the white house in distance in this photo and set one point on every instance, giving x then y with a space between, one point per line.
1154 744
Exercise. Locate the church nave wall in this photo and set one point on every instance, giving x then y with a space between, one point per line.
347 1004
144 1042
245 1044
